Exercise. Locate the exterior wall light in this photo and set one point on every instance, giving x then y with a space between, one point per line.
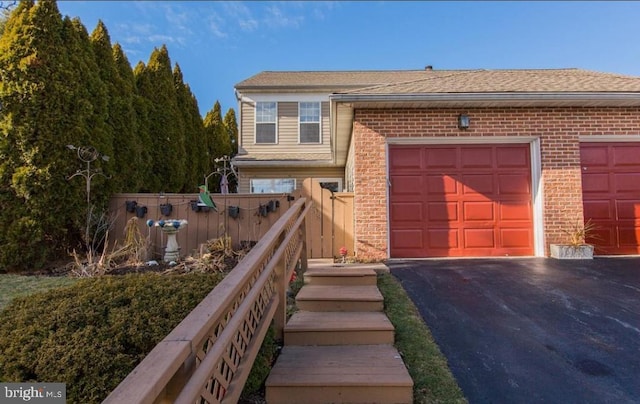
463 121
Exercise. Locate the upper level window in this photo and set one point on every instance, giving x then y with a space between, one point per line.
266 113
309 122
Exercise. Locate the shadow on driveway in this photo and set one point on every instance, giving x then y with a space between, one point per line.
533 329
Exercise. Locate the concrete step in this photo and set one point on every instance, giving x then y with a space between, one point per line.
339 374
339 298
338 328
340 276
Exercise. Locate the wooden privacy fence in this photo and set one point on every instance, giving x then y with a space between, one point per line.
330 222
329 225
256 214
208 356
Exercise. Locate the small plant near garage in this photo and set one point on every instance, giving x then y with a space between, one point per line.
576 246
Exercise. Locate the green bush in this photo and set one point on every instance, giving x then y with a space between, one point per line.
261 367
92 334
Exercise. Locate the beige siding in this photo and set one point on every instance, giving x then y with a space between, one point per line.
326 124
247 126
299 173
288 125
287 129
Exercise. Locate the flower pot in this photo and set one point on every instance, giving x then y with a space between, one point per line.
263 210
131 206
141 211
234 211
563 251
194 206
166 209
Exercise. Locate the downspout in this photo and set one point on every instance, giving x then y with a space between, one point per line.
333 128
239 99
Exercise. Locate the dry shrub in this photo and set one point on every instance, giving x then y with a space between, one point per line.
133 251
216 256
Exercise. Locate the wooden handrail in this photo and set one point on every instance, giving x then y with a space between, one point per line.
209 355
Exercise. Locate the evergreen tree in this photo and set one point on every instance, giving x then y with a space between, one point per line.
217 140
193 133
40 208
120 119
231 126
143 106
167 148
125 108
4 16
90 108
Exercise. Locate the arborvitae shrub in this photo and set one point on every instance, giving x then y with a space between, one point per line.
91 335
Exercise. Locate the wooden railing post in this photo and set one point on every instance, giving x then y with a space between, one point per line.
303 255
280 317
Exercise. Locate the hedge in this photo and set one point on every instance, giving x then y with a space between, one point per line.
92 334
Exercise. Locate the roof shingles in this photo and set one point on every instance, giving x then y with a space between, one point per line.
445 81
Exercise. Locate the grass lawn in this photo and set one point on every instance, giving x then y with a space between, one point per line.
433 381
12 286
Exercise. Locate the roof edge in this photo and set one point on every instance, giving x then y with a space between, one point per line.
529 96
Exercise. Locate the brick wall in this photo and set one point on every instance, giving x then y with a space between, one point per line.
558 129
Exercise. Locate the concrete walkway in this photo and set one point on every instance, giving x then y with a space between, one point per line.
533 330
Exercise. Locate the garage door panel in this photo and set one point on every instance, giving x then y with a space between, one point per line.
595 182
594 156
407 212
443 238
479 238
479 184
439 184
478 211
625 156
478 157
510 211
407 185
408 238
603 238
513 157
628 210
514 184
476 202
628 236
611 195
627 183
516 238
442 212
442 158
404 158
599 209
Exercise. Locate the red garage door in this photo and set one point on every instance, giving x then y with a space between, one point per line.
611 195
460 200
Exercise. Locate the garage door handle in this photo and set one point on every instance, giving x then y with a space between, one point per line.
389 183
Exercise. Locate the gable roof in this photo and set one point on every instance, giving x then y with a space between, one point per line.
443 81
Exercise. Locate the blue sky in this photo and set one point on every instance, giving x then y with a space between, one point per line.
218 44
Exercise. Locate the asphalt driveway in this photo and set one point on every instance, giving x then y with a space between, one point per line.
533 330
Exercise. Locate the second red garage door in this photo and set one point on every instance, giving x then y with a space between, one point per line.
611 195
460 201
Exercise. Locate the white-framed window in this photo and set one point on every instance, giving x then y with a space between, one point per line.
272 185
310 115
333 184
266 115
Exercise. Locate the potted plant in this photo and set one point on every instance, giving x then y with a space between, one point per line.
576 246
